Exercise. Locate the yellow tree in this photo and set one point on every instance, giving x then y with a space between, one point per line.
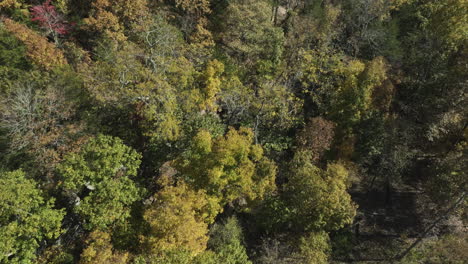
228 167
111 19
354 97
6 4
99 250
195 17
178 219
211 83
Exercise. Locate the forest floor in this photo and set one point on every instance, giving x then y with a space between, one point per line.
385 226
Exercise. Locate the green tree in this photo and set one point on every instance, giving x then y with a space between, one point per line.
193 15
370 29
27 218
13 60
339 86
174 256
448 178
320 75
311 25
99 177
353 99
317 198
56 254
314 248
125 83
275 111
435 72
249 35
270 108
226 241
433 91
163 43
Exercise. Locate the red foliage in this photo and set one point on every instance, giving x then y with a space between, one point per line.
51 20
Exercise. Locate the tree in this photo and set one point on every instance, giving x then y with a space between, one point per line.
317 198
308 248
40 120
56 254
369 28
112 19
13 60
275 111
175 256
249 36
196 7
228 167
211 83
121 82
320 74
39 50
27 218
316 137
99 178
11 4
178 220
163 44
374 75
340 87
275 250
271 109
226 241
235 101
194 21
447 19
353 99
433 93
49 19
311 25
436 88
314 248
447 175
99 250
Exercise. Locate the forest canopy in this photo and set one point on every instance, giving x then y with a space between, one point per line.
233 131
